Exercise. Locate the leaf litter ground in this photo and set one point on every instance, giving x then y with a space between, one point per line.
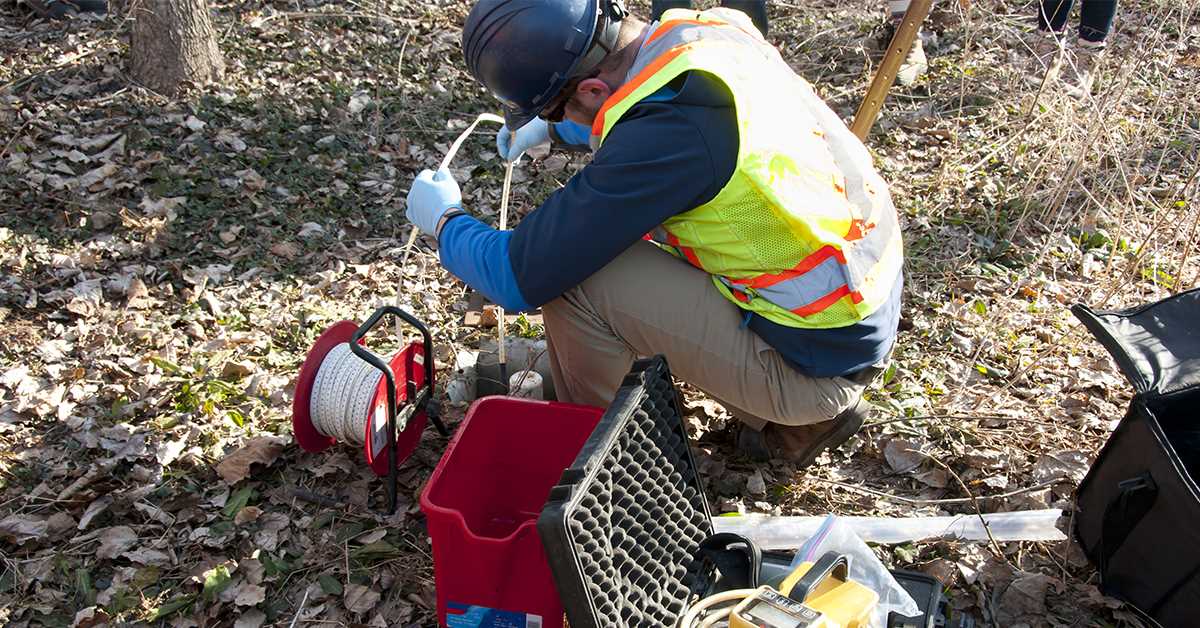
164 266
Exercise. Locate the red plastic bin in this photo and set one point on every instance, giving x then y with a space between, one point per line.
482 503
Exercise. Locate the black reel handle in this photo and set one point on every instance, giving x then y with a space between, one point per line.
831 564
415 400
373 360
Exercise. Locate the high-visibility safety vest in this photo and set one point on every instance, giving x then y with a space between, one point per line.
804 233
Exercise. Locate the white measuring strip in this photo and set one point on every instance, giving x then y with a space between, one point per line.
345 384
457 144
501 350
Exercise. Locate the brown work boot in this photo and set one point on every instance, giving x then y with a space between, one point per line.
915 64
1047 58
752 443
1082 67
801 444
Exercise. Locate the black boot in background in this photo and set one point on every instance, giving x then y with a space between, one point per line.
658 6
756 9
60 9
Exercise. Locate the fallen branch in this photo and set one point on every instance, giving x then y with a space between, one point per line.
315 498
974 504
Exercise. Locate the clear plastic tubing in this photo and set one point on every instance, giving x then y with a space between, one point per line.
779 533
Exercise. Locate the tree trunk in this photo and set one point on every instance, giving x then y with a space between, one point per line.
173 43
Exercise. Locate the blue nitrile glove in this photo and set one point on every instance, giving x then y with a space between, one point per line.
432 196
512 145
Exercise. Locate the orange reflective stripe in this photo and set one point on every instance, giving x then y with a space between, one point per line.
858 230
687 252
826 301
807 264
628 88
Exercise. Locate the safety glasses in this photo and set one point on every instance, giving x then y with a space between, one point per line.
556 109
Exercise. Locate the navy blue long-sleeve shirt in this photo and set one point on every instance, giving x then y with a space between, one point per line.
670 153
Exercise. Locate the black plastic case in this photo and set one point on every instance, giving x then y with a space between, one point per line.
927 592
622 526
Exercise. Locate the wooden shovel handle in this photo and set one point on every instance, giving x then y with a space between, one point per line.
897 51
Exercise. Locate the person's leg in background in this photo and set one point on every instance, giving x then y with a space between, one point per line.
657 7
756 9
1053 14
916 63
60 9
1047 44
1095 21
647 302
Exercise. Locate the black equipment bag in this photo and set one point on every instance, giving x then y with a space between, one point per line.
1138 516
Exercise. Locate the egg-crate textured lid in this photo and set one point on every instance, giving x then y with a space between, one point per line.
621 528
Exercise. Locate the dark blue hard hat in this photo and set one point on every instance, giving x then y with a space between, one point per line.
525 51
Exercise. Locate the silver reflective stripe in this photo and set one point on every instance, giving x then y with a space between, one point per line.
652 51
802 290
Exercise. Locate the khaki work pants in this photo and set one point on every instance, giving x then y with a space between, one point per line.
647 302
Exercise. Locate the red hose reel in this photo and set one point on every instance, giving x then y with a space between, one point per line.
396 415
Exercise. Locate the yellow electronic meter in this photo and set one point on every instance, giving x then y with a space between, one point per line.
815 595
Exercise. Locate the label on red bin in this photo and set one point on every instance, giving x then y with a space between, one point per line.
465 616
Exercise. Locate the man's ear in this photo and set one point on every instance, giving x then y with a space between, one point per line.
593 92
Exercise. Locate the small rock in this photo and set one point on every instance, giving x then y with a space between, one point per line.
731 505
1025 599
730 483
102 220
214 307
755 485
234 369
247 514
